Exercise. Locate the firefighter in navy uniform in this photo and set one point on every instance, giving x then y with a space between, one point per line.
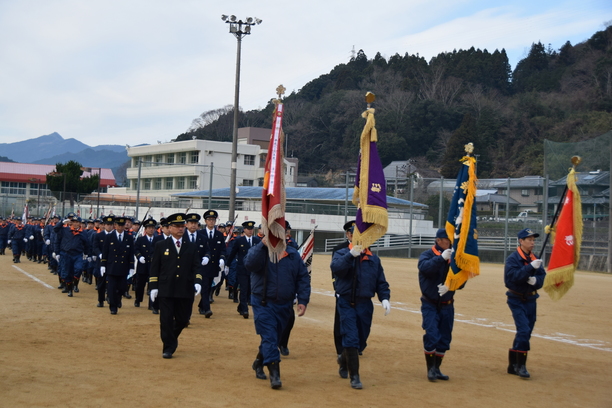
17 239
273 289
213 262
283 342
144 253
174 281
523 276
436 304
239 250
4 230
71 246
117 263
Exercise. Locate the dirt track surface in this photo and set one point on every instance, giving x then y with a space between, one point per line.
60 351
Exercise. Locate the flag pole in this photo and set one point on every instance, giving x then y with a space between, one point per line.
575 161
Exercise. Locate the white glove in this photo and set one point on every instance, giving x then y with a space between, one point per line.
84 257
89 259
25 240
102 270
226 270
447 254
57 258
536 264
131 273
8 242
48 242
198 288
94 257
442 289
356 250
531 280
31 237
205 261
142 260
100 256
221 264
53 255
387 306
153 294
217 279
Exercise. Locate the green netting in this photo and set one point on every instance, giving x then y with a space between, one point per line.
595 155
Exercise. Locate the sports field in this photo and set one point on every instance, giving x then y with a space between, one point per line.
60 351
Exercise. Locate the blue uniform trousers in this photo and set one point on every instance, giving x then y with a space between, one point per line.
71 266
438 326
245 292
355 322
3 243
270 321
232 279
18 246
524 314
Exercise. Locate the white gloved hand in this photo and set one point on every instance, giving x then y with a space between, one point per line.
131 273
31 237
89 259
387 306
198 288
217 279
102 270
57 258
25 240
8 242
221 264
536 263
442 289
226 270
531 280
153 294
356 250
84 257
94 258
100 256
447 254
205 261
48 242
142 260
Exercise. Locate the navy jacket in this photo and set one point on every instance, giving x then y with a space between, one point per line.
214 250
370 275
143 247
69 241
17 233
239 248
284 279
118 257
516 273
433 270
175 274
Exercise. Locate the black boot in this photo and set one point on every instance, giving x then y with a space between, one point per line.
230 294
62 283
127 293
439 374
258 367
235 297
342 362
521 360
430 358
512 362
17 259
67 287
274 370
76 285
352 355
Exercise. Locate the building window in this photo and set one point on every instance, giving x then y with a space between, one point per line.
180 183
249 160
193 182
170 158
135 184
291 171
525 193
182 157
147 161
262 161
247 182
146 184
159 159
11 187
169 183
158 184
195 157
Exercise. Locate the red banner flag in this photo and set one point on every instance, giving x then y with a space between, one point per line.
567 240
273 193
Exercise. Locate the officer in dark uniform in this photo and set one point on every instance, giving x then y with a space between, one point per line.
214 260
436 304
343 369
274 286
4 230
164 234
174 279
240 248
70 247
17 239
49 237
97 245
144 254
523 276
117 263
358 276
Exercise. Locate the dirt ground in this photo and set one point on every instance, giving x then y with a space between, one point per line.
60 351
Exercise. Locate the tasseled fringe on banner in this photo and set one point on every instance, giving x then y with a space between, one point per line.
368 135
470 267
377 216
578 225
275 229
559 281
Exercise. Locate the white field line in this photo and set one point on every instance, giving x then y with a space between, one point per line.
482 322
32 277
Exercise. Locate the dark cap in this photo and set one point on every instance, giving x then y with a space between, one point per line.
237 230
349 226
441 233
229 224
149 223
222 225
135 221
211 214
287 225
163 222
176 219
70 215
90 221
109 219
77 219
193 217
248 224
524 233
120 220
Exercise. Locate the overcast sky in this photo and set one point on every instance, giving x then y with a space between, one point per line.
138 71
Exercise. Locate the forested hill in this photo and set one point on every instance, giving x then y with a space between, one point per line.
431 109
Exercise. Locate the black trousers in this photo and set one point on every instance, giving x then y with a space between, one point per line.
115 287
174 314
205 301
140 282
245 292
337 334
283 341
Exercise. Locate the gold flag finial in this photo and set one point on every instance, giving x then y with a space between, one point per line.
469 148
576 160
280 91
370 97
